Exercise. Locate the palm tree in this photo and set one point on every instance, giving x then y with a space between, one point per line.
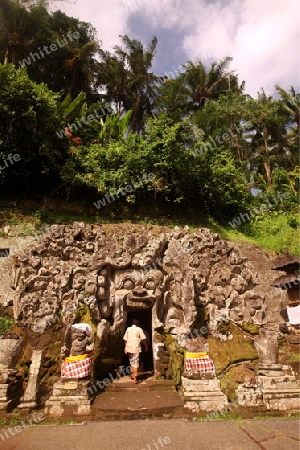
19 22
194 87
113 80
290 104
72 68
269 136
128 81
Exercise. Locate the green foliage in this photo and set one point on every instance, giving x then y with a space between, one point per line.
5 325
26 27
114 128
70 109
223 186
28 123
208 145
193 88
275 232
127 80
210 182
20 22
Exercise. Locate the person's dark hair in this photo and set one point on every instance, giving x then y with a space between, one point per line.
136 322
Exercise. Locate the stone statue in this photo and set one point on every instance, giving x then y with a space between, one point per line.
77 352
198 364
266 344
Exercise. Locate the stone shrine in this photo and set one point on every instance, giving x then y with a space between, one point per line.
275 384
70 394
169 281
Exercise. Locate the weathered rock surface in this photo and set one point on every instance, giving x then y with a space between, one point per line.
176 274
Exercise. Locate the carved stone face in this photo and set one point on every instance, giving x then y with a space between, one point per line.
138 288
79 342
78 280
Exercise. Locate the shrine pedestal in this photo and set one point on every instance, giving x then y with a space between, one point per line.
203 395
10 389
275 387
70 397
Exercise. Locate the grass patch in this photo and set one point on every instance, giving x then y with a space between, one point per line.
274 231
5 325
219 415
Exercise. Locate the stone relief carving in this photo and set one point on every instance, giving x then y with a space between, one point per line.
174 274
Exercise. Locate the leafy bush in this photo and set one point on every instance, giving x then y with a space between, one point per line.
210 182
29 120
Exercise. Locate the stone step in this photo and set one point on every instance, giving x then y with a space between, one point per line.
127 405
125 384
159 413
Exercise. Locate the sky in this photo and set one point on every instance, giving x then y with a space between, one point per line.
262 36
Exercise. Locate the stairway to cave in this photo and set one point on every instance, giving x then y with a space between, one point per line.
124 400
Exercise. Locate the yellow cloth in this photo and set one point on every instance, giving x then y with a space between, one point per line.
77 357
195 355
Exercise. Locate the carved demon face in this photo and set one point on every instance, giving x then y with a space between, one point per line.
139 289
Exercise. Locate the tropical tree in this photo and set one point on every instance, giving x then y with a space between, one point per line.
72 68
193 88
20 21
70 109
290 106
29 119
268 139
27 29
128 81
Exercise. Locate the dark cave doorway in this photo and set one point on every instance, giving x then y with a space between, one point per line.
145 319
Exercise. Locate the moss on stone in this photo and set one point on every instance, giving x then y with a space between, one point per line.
83 315
239 348
176 361
250 328
232 378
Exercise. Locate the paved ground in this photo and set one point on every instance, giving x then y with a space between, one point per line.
275 434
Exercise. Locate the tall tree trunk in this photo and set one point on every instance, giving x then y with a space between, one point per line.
6 57
266 163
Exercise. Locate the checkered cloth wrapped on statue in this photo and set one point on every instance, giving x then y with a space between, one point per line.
77 367
198 361
77 353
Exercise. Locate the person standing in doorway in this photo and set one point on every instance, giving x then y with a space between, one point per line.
134 337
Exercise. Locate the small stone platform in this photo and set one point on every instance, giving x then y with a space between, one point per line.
69 398
203 395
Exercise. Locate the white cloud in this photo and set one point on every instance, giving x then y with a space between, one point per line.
262 36
108 17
